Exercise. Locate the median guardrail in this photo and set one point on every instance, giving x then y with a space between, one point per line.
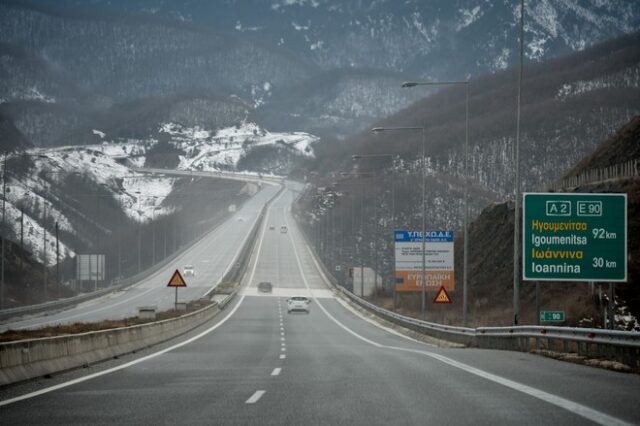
621 346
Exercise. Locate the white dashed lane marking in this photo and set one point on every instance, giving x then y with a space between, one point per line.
255 397
276 371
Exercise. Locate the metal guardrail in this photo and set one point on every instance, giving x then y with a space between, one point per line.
70 301
623 346
224 302
585 335
627 169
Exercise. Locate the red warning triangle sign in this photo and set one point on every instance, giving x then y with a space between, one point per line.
442 296
177 280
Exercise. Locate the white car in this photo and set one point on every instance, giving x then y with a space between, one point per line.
189 270
298 304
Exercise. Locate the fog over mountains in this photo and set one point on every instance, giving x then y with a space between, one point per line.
326 67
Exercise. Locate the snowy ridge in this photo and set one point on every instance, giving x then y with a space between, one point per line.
140 196
222 150
627 78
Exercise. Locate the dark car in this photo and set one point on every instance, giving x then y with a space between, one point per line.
265 287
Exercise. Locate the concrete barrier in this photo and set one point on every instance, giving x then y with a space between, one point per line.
26 359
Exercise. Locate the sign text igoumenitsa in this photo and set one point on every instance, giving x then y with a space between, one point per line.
574 237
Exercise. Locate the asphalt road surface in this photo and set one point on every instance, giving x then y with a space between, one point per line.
211 257
256 364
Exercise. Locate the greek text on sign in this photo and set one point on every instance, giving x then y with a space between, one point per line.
438 260
574 237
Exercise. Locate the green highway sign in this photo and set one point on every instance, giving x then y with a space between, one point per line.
552 316
574 237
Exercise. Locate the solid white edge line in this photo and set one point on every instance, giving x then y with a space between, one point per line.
255 397
148 357
571 406
123 366
387 329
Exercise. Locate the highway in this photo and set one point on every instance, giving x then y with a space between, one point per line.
256 364
212 256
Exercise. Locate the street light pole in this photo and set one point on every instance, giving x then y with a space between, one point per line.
153 224
359 246
57 262
516 217
424 207
44 250
465 261
361 241
356 157
139 232
4 197
44 234
424 226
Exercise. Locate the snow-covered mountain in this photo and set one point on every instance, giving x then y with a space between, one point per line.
71 66
111 165
412 35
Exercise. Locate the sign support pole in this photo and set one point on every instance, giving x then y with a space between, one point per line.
176 281
537 302
610 310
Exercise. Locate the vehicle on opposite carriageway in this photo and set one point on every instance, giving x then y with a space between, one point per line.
265 287
189 270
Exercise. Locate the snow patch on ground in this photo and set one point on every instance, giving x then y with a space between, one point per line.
224 149
468 17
